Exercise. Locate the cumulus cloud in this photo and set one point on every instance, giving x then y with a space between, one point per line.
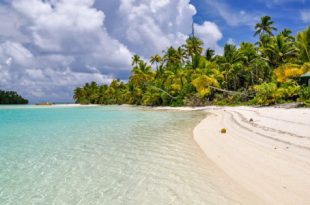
210 33
74 28
149 26
56 46
43 77
49 47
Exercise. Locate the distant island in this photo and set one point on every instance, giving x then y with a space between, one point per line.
11 98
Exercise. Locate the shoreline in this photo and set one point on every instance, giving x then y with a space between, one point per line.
265 150
46 106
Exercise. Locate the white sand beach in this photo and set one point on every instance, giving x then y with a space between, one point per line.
265 150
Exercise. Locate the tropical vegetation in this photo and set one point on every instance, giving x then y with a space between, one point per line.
264 73
11 97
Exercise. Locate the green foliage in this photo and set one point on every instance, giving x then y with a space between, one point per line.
202 83
288 91
265 26
11 97
265 94
270 93
303 43
304 95
263 73
290 71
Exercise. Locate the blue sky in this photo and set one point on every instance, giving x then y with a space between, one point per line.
49 47
285 13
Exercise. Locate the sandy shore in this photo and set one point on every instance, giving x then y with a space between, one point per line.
265 150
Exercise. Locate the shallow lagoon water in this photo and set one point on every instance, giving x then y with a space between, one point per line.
103 155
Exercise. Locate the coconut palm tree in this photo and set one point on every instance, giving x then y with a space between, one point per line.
230 63
79 96
280 51
303 43
265 26
193 47
210 53
171 57
135 60
156 59
181 54
287 33
141 75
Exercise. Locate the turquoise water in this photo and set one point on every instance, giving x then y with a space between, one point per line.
102 155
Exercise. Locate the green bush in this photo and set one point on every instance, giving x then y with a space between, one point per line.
304 95
265 94
288 91
270 93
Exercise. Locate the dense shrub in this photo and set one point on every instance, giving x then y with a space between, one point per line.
270 93
304 95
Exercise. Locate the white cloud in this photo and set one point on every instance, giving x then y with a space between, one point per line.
36 77
231 41
305 16
74 28
49 47
150 26
8 61
210 33
10 25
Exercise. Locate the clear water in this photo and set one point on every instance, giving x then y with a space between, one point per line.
103 155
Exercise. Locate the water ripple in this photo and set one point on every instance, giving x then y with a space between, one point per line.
103 156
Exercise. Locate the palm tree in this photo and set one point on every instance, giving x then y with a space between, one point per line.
251 69
135 60
93 92
144 67
156 59
205 75
79 96
141 76
264 40
287 33
279 51
171 57
210 53
303 43
181 54
230 63
102 96
265 26
193 47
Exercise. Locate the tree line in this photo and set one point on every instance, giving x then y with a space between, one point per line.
265 73
11 97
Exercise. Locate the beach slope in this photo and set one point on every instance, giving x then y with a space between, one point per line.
265 150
